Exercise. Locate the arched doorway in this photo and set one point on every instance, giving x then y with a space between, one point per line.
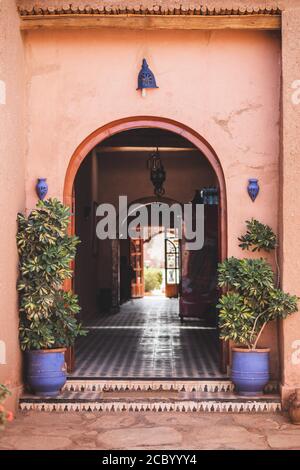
113 131
137 122
136 253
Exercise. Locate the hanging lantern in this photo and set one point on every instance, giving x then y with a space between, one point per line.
42 188
210 196
146 78
253 188
157 173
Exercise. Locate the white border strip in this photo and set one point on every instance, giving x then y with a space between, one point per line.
184 406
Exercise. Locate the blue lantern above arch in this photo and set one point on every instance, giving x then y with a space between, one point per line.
146 78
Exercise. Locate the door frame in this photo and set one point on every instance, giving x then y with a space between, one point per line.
138 122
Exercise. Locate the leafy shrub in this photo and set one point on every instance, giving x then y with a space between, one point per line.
251 299
47 311
153 279
258 237
4 415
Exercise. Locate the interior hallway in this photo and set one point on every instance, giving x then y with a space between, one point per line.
147 340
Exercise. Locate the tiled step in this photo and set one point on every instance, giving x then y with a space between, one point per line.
146 384
159 400
184 385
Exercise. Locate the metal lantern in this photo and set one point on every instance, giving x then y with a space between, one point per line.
210 196
253 188
146 78
157 173
198 197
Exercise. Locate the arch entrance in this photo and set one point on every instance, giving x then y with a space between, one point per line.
112 162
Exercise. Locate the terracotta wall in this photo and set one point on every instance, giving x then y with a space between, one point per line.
12 189
224 84
290 195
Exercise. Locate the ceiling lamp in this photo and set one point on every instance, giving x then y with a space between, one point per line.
157 173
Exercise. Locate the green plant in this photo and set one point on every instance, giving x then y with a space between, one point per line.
251 299
47 311
258 237
4 414
153 279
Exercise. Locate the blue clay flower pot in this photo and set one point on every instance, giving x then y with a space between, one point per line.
42 188
45 371
253 188
250 370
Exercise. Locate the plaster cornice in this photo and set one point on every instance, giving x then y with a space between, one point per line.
146 7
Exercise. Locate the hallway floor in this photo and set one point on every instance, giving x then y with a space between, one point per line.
146 340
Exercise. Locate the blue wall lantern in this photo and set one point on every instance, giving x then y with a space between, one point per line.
41 188
253 188
146 78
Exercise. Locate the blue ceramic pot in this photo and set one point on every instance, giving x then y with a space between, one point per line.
253 188
45 371
250 370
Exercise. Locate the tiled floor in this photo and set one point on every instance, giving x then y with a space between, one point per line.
146 340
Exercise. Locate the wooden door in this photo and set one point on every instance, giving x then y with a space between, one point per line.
199 273
172 265
70 352
137 265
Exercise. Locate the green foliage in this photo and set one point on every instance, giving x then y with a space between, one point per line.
153 279
47 312
258 237
251 298
4 415
3 393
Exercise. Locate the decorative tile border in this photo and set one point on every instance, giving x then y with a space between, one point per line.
145 385
235 406
193 396
155 385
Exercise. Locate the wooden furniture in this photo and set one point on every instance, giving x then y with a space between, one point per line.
137 265
172 266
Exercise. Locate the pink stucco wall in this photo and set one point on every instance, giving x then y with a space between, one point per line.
12 190
224 85
290 196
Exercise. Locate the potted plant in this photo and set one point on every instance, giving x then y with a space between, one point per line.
250 300
48 323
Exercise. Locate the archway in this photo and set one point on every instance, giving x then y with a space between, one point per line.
137 284
139 123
